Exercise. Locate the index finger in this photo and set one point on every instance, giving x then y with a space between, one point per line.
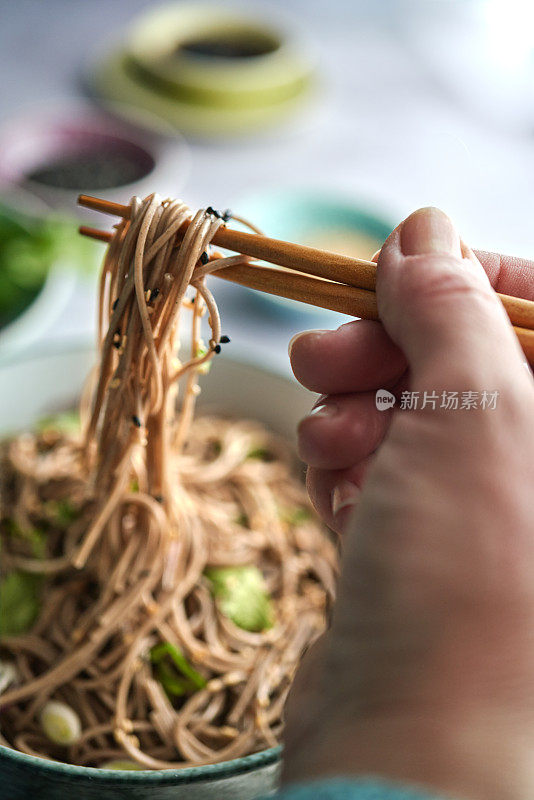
509 274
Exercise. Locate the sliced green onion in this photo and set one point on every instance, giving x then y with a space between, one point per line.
242 596
201 351
294 516
60 723
65 422
123 764
8 675
19 603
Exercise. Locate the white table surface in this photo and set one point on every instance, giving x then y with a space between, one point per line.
409 116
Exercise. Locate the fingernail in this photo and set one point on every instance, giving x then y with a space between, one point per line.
324 410
429 230
344 495
300 335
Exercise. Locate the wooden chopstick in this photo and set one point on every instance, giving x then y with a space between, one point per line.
313 291
309 260
322 264
305 288
348 285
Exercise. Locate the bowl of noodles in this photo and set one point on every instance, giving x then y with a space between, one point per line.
162 569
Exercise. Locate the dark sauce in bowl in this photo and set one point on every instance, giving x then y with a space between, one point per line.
94 169
234 44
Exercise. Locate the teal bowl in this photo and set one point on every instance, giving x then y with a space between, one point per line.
44 381
23 777
319 220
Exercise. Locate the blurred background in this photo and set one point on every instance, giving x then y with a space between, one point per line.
323 122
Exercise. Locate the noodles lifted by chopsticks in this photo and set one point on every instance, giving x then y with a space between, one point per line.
177 570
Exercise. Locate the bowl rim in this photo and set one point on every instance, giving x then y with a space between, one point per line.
223 769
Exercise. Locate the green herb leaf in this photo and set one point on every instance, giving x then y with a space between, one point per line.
260 453
243 520
161 651
19 603
62 511
36 538
242 596
174 686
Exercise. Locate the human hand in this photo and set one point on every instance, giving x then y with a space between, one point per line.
427 671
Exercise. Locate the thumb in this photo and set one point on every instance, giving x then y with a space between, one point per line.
437 305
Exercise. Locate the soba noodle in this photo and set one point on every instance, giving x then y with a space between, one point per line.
119 528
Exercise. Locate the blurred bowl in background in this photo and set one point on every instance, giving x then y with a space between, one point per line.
41 260
209 69
315 219
54 153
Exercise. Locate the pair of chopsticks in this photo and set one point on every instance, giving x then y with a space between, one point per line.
327 280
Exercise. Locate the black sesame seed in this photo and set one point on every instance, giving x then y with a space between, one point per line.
158 498
115 304
226 215
136 421
224 340
204 258
217 348
154 293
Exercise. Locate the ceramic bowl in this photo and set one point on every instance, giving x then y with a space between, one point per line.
32 387
164 67
37 137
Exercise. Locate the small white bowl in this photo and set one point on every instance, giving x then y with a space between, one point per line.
37 136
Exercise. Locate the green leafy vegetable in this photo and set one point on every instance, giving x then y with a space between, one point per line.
36 538
65 422
62 511
19 602
260 453
174 686
242 596
170 665
28 247
243 520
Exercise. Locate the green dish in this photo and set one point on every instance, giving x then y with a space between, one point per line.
166 68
